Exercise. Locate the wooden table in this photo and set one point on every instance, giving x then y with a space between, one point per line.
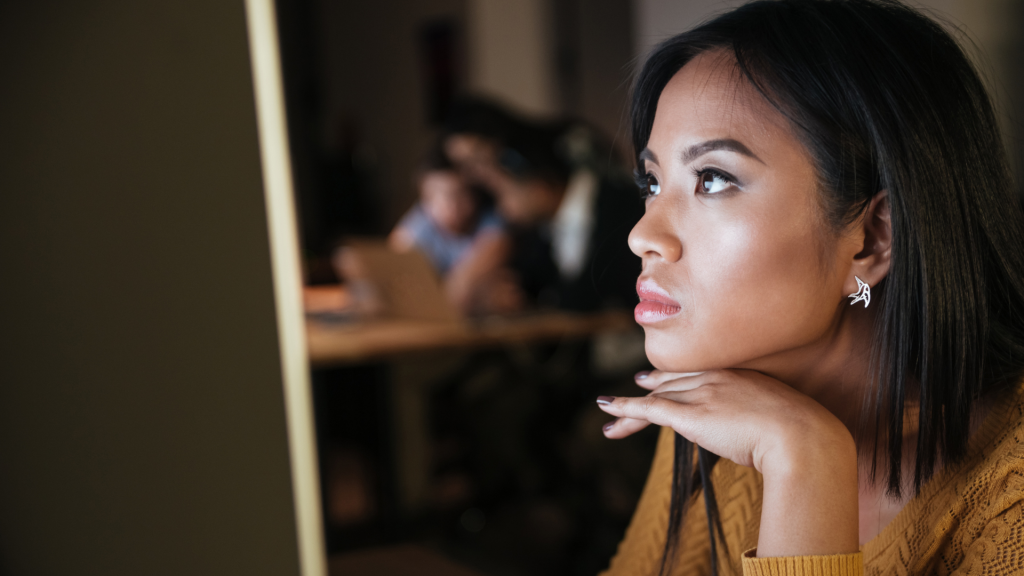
347 342
335 343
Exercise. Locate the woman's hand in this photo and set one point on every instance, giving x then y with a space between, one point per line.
740 415
806 455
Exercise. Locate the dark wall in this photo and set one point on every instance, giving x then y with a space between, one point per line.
375 109
142 425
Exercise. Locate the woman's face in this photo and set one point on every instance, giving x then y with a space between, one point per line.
739 268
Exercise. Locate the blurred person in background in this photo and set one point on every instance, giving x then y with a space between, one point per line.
475 132
569 201
454 225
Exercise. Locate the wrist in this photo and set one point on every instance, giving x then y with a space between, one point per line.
809 504
803 449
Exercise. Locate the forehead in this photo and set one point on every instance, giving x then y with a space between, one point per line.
442 181
709 98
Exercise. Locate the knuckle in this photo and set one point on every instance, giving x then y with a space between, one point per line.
649 403
655 407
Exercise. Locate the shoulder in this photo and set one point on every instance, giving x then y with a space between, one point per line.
416 221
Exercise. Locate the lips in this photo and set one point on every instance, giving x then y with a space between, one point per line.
655 303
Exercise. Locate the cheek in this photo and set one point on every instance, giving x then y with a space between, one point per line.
753 266
750 287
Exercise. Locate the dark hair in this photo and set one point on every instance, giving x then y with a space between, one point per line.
532 152
527 149
480 116
884 99
435 160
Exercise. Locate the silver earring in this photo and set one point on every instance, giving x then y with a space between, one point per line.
863 293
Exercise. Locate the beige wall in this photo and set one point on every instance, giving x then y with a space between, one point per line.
512 55
656 20
993 29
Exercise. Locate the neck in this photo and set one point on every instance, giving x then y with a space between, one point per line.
834 369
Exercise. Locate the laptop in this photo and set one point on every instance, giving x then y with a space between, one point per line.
393 285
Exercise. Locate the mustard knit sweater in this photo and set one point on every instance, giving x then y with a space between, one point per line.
967 519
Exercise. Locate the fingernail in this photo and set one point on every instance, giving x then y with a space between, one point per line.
642 374
609 425
605 400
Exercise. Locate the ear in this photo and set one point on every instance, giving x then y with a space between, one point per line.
871 264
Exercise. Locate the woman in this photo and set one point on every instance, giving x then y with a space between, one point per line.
832 291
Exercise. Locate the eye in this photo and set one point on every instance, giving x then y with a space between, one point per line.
653 188
648 186
712 181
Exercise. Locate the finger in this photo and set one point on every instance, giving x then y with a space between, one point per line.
651 379
682 384
654 409
622 427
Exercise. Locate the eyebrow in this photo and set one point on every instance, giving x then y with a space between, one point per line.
698 150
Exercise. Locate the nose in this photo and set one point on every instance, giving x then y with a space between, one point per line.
653 237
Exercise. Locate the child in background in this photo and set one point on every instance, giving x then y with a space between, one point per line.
465 241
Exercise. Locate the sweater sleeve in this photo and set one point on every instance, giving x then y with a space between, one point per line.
834 565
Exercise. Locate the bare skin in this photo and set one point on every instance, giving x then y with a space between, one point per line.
748 286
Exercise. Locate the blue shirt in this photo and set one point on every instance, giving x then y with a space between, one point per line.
443 248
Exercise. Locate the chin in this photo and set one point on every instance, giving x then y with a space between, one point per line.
668 358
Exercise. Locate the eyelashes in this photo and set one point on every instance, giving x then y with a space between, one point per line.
710 181
647 184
